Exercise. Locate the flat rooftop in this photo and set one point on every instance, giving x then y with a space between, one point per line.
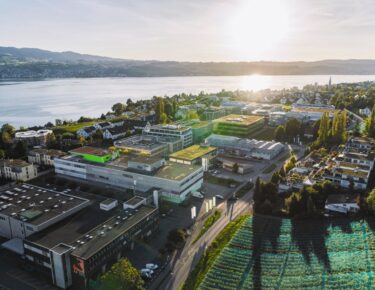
314 109
134 200
16 163
90 230
193 152
90 151
239 119
140 142
172 127
36 205
176 171
145 159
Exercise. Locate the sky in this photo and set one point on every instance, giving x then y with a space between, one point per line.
194 30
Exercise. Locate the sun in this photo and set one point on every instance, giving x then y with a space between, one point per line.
257 27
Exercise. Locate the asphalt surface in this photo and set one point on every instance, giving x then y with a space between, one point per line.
174 274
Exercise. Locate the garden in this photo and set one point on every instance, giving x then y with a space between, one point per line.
275 253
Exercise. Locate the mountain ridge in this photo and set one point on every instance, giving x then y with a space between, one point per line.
39 63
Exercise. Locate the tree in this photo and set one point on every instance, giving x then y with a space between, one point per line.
6 138
163 119
159 109
191 115
51 140
2 154
177 236
122 276
8 128
19 150
58 122
371 200
168 109
370 124
257 190
292 129
174 106
275 177
82 140
282 172
280 133
118 108
323 131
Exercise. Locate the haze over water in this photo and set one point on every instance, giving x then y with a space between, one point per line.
38 102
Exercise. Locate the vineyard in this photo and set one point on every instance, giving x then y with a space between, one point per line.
273 253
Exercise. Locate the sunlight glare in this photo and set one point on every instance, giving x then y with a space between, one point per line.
258 26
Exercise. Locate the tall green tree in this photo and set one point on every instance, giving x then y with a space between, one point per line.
370 124
122 276
280 133
51 140
118 108
8 128
292 129
159 109
323 132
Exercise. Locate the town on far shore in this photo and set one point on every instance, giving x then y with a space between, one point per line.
157 181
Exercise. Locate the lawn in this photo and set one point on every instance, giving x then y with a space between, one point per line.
207 224
220 181
72 128
275 253
205 262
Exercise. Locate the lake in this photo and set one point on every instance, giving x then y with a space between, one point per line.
28 103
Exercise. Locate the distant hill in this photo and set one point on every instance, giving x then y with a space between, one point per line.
38 63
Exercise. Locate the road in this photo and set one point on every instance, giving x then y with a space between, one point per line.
184 262
192 252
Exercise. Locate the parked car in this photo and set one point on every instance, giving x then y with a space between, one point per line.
146 273
151 266
219 196
197 194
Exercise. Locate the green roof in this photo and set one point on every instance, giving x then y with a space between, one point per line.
239 119
193 152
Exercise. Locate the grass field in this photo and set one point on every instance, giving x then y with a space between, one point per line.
72 128
273 253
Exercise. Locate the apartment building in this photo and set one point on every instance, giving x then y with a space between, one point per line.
17 170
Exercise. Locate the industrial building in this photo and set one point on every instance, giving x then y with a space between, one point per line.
149 145
246 147
194 155
175 181
181 131
85 245
238 125
26 209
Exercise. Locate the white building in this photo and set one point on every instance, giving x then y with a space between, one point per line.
247 147
86 132
185 133
17 170
44 156
33 137
143 174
